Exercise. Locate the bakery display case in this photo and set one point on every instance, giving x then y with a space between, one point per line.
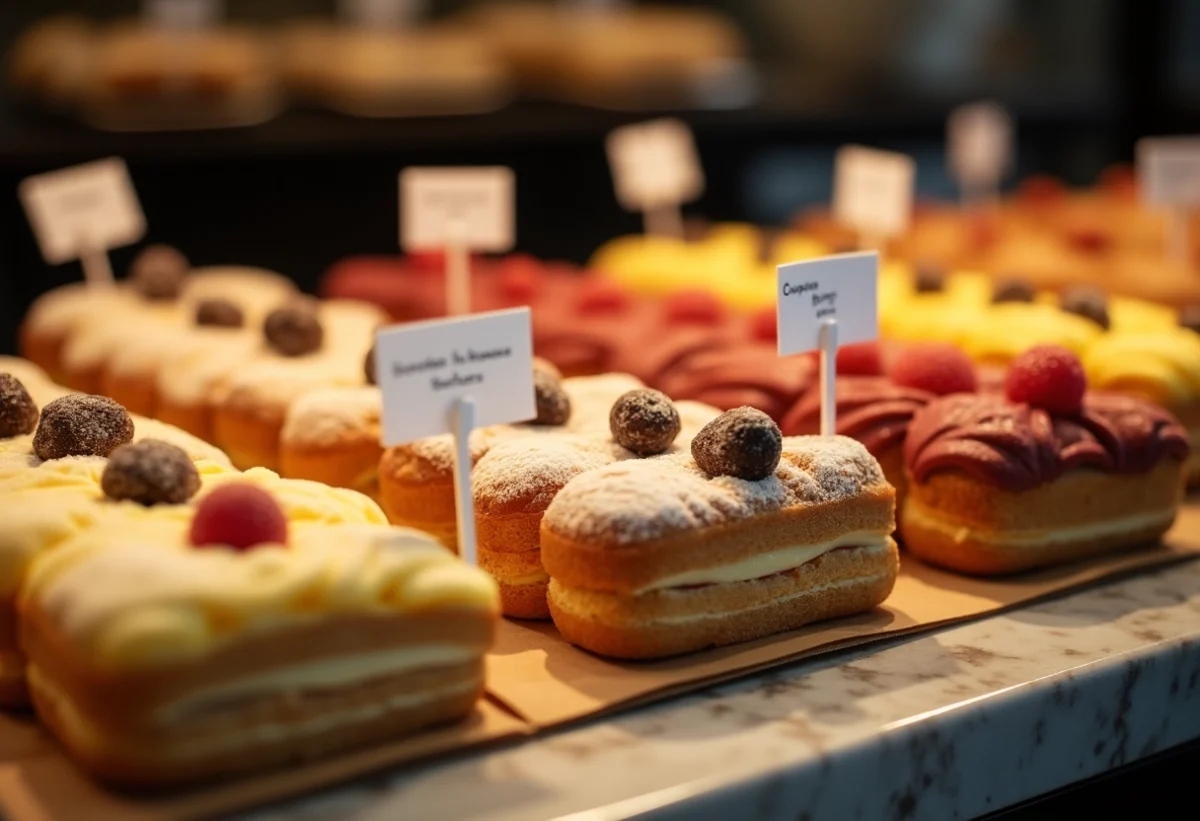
943 566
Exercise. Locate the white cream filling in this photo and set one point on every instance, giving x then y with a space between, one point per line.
85 734
914 512
767 564
323 674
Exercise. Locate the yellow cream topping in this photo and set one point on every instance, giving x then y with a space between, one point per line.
1162 366
136 595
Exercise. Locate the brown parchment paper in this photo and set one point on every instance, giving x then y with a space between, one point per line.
548 681
43 784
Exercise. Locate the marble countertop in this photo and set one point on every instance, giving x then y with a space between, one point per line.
954 723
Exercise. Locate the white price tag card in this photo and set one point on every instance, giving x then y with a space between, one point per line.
83 210
182 14
472 207
381 13
979 138
425 368
842 288
1169 170
654 164
873 190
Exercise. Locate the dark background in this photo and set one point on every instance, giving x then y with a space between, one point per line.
1084 79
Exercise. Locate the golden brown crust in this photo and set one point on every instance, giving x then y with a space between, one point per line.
43 350
521 579
961 523
136 393
669 622
120 699
629 568
195 419
891 460
82 380
13 692
353 464
250 439
141 759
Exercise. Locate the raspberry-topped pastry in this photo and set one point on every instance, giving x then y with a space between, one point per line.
163 650
750 534
1043 473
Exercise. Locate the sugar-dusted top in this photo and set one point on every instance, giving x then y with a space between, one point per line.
638 500
328 416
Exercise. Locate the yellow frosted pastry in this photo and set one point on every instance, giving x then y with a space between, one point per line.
1005 331
1162 366
214 661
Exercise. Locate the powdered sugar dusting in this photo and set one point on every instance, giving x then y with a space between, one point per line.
326 416
638 500
534 469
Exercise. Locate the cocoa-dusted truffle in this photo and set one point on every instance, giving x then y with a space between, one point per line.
369 366
219 313
1189 317
644 421
743 442
81 425
1012 289
294 329
553 404
1088 302
18 411
929 278
150 472
158 272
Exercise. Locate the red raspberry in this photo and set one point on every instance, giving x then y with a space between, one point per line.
694 308
763 325
602 297
238 515
1089 240
862 359
1048 377
937 367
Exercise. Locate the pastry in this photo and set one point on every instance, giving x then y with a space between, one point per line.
1160 366
416 480
58 314
656 557
282 645
1041 474
306 345
517 479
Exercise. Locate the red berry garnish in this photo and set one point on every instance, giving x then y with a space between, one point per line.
764 325
694 308
861 359
1048 377
937 367
238 515
518 277
602 297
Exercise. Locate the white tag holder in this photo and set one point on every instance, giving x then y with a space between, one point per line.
822 303
655 169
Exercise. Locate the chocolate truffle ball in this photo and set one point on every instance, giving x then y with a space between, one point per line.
743 442
158 272
553 404
219 313
1088 302
18 411
1012 289
644 421
150 472
294 329
81 425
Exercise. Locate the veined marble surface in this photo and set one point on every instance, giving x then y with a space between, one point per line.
951 724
